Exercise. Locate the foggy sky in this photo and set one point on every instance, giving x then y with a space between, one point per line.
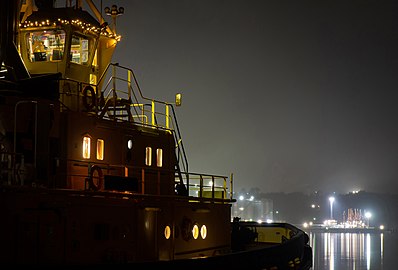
286 95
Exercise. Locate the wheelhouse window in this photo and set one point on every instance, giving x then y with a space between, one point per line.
80 49
148 156
100 149
46 45
86 147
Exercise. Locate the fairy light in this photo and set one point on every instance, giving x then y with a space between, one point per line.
85 27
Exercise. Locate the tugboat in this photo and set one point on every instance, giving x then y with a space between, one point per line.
92 172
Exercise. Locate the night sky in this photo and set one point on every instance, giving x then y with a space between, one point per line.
286 95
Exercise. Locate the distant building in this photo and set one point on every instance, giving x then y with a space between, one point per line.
251 209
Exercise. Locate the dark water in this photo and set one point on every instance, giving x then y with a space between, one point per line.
354 251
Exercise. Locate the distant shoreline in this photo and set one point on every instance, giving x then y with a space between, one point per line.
345 230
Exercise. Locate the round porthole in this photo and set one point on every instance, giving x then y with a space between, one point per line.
130 144
167 232
195 231
203 231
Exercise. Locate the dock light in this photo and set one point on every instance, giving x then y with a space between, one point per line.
368 215
331 200
381 227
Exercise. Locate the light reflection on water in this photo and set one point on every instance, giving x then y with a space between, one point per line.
354 251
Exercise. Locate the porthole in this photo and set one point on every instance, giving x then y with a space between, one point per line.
130 144
203 231
195 231
167 232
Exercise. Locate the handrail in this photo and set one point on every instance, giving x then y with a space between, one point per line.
217 190
178 140
136 112
131 94
218 187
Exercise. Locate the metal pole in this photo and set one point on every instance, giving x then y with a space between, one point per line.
153 113
167 116
15 137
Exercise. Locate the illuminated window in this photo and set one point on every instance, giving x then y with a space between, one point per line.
203 231
195 231
167 232
148 156
46 45
159 157
80 49
100 149
86 147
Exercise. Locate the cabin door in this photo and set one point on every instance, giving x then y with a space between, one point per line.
149 243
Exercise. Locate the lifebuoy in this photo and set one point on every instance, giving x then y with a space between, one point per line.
95 185
89 98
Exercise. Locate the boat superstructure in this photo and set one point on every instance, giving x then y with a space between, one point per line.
92 171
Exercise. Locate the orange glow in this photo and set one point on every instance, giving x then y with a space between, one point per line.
86 147
100 149
167 232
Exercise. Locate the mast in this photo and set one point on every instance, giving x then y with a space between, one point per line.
9 55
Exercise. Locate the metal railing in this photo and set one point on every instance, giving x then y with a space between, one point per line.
208 186
145 110
201 186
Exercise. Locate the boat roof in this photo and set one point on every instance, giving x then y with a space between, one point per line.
68 14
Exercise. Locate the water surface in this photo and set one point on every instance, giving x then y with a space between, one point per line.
354 251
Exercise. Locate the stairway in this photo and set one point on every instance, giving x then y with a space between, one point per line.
117 109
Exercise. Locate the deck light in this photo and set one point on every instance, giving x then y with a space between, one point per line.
114 12
178 99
